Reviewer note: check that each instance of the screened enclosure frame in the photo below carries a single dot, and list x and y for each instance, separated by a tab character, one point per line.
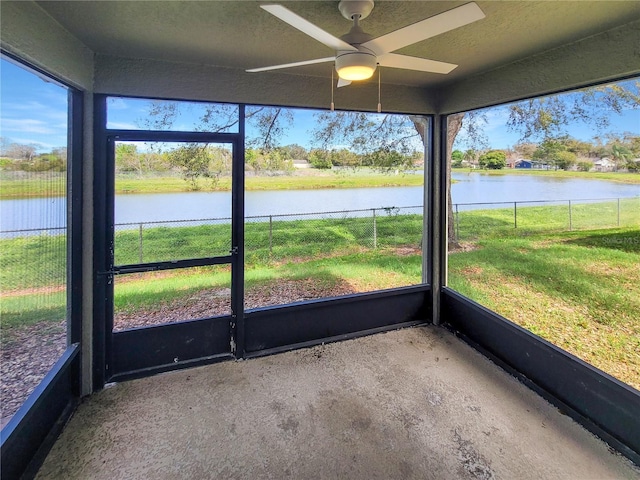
43	414
601	403
256	332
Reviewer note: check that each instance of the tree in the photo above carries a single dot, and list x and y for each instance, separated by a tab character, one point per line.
271	161
47	162
321	159
549	117
197	160
343	157
633	166
21	151
268	123
471	155
293	152
525	149
633	143
456	158
555	152
585	166
493	160
620	154
540	118
127	158
565	159
381	141
578	147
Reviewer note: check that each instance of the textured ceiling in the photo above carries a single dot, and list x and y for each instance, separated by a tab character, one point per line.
239	34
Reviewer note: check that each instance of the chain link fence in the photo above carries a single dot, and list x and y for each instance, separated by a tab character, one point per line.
277	237
323	233
145	242
474	220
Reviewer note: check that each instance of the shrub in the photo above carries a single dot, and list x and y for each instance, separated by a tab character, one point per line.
584	166
493	160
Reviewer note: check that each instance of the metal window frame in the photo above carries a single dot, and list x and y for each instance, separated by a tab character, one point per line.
599	402
389	315
31	432
602	404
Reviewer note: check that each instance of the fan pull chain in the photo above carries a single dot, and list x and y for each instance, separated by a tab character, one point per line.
379	104
332	105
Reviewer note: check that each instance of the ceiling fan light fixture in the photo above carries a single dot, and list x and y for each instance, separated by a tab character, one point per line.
354	66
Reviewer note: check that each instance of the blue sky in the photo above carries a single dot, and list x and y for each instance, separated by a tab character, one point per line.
33	111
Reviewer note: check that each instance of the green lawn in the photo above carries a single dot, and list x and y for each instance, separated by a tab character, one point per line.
622	177
305	180
579	289
300	180
527	218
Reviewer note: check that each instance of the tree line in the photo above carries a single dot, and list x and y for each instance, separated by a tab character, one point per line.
199	162
560	153
25	158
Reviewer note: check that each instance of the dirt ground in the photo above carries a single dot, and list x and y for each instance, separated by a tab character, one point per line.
29	353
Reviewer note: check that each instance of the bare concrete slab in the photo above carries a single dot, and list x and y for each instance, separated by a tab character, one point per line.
414	403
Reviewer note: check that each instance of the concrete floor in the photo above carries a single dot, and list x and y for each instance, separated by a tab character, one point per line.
414	403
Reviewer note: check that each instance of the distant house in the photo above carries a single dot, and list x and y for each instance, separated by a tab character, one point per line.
522	163
603	165
301	164
540	165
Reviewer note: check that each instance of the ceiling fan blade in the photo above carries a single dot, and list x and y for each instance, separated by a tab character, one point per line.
394	60
306	27
430	27
294	64
343	83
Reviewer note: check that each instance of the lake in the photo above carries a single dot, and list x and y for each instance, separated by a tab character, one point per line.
469	188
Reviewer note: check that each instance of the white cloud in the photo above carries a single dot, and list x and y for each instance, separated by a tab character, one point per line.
28	125
35	109
41	147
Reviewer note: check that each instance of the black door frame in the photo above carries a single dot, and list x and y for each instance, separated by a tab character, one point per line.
143	351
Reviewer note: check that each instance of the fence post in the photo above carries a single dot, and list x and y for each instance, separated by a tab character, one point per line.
515	214
618	211
570	220
270	234
140	244
375	230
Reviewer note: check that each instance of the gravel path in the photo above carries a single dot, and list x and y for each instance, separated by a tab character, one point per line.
29	353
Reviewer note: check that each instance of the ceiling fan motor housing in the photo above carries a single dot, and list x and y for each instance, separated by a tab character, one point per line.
358	65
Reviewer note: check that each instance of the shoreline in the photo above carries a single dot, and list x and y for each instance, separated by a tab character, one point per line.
15	189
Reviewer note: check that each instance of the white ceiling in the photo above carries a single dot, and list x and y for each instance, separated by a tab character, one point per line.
239	34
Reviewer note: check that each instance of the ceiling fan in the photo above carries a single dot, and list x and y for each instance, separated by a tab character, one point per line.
358	54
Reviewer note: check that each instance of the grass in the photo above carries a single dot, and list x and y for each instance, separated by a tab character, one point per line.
150	290
529	218
622	177
578	289
292	243
300	180
32	187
